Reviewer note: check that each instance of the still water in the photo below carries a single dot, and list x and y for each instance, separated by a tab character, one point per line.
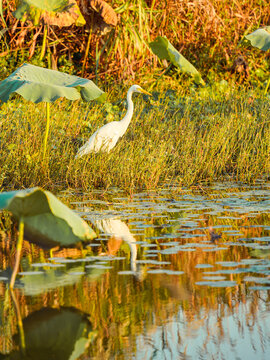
174	274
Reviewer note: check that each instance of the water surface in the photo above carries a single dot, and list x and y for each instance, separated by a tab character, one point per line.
173	274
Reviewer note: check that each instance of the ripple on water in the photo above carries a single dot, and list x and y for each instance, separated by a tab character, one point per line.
153	223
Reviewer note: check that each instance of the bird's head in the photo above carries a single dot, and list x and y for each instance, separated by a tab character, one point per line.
138	89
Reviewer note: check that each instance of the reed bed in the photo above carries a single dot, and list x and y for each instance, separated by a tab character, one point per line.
177	136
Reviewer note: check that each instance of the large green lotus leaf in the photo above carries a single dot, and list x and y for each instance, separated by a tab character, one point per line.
38	84
260	38
165	50
47	221
54	334
52	12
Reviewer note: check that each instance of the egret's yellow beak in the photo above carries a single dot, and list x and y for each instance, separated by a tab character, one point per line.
145	92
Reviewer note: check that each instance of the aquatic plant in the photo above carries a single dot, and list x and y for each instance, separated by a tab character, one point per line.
165	51
43	219
37	84
205	32
53	12
260	39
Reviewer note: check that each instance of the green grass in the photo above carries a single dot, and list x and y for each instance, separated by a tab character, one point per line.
181	136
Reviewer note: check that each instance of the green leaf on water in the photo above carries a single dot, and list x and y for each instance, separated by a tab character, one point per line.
165	51
53	12
38	84
260	38
47	221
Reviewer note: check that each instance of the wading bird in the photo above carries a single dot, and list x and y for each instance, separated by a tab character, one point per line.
105	138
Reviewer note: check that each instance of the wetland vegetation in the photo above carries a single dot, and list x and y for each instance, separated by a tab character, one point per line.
182	138
179	267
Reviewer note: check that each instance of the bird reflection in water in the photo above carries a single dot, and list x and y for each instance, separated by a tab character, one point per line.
119	231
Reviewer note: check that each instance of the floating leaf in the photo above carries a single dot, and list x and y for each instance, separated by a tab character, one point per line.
53	12
47	221
165	51
38	84
217	283
260	38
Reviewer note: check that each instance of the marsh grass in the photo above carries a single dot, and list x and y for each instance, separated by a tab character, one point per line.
180	137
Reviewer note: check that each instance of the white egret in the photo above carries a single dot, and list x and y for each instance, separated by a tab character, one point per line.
105	138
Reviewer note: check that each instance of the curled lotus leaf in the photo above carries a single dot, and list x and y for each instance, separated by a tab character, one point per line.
38	84
260	38
105	10
53	12
166	51
47	221
99	15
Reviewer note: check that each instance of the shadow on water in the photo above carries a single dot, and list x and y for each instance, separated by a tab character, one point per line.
173	274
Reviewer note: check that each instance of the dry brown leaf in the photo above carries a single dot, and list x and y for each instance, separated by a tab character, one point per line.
99	15
105	10
20	39
64	18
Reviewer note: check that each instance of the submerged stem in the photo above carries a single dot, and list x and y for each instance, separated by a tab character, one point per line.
18	252
20	323
46	130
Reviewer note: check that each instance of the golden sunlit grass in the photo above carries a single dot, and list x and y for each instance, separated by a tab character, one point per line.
207	32
173	137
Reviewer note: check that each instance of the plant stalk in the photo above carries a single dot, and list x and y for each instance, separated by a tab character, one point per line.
43	49
46	130
267	86
20	324
86	51
18	252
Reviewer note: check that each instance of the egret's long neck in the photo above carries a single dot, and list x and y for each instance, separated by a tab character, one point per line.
126	120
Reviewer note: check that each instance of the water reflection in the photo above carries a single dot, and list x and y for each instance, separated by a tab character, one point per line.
205	260
50	333
118	232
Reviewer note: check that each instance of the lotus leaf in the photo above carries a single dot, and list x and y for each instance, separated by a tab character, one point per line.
50	333
53	12
38	84
165	50
47	221
260	38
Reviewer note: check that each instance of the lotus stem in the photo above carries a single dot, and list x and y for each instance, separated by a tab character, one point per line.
20	324
267	86
18	252
86	51
46	130
43	49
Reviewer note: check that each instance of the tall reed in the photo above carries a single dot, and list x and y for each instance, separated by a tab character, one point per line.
173	137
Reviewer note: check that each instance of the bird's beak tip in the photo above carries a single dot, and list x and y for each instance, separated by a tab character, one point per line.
146	92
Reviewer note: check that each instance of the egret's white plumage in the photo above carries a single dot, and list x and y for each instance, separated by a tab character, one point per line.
105	138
